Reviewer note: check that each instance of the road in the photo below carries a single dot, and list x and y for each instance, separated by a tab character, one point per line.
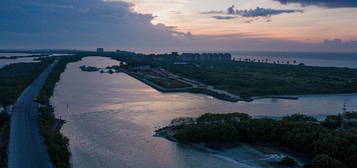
27	148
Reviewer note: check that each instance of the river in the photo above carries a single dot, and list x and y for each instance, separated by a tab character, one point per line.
111	119
4	62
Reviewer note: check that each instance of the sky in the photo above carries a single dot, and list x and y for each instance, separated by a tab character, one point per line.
180	25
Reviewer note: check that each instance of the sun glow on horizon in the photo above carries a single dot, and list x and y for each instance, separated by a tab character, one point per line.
312	26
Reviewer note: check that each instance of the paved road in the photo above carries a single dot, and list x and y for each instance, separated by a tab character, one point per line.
27	148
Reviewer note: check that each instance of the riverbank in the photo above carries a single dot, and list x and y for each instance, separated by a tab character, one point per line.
252	154
57	143
4	138
253	79
107	108
14	78
203	89
296	133
189	87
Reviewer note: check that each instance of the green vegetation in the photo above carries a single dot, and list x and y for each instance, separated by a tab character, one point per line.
299	118
4	138
57	144
160	80
295	132
288	161
14	78
168	83
324	161
209	117
334	121
250	79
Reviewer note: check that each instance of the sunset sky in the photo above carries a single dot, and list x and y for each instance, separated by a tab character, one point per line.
312	24
161	25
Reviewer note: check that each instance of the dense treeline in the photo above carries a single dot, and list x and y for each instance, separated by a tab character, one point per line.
4	138
57	143
14	78
249	79
259	79
328	148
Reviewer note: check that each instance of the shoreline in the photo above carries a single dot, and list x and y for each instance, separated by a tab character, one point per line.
222	149
224	97
208	92
185	89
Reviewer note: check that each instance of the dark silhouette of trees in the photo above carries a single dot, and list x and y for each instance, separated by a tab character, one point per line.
297	132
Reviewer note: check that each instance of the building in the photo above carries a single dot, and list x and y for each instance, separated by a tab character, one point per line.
100	50
205	57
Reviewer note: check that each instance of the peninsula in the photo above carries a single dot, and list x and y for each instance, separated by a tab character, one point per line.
320	141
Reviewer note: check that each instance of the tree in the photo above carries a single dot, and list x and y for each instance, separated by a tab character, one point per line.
324	161
288	161
299	118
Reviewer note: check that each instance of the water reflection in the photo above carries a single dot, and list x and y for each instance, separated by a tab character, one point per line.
112	117
4	62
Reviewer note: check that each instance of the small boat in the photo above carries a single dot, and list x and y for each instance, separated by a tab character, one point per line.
88	68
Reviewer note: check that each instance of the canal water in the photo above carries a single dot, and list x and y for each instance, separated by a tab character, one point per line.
111	119
4	62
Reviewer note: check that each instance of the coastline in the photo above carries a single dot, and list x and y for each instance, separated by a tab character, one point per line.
196	90
204	91
186	89
272	155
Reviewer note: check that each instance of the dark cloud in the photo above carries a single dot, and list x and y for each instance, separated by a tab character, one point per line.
231	10
78	23
224	17
323	3
250	13
87	24
259	12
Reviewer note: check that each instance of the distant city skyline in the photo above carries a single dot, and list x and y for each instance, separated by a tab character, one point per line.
180	25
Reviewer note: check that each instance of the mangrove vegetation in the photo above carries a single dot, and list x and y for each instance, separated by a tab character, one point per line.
326	146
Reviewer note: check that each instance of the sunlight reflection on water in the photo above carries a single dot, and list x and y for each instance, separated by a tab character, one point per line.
111	119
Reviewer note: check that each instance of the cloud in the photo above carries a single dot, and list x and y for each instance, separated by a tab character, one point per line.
323	3
68	23
259	12
87	24
212	12
254	42
231	13
224	17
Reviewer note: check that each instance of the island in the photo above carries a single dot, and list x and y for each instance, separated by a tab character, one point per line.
232	80
324	143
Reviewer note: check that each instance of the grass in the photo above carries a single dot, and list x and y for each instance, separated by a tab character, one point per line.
14	78
260	79
168	83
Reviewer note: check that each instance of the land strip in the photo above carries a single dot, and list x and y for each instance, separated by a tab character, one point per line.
27	148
